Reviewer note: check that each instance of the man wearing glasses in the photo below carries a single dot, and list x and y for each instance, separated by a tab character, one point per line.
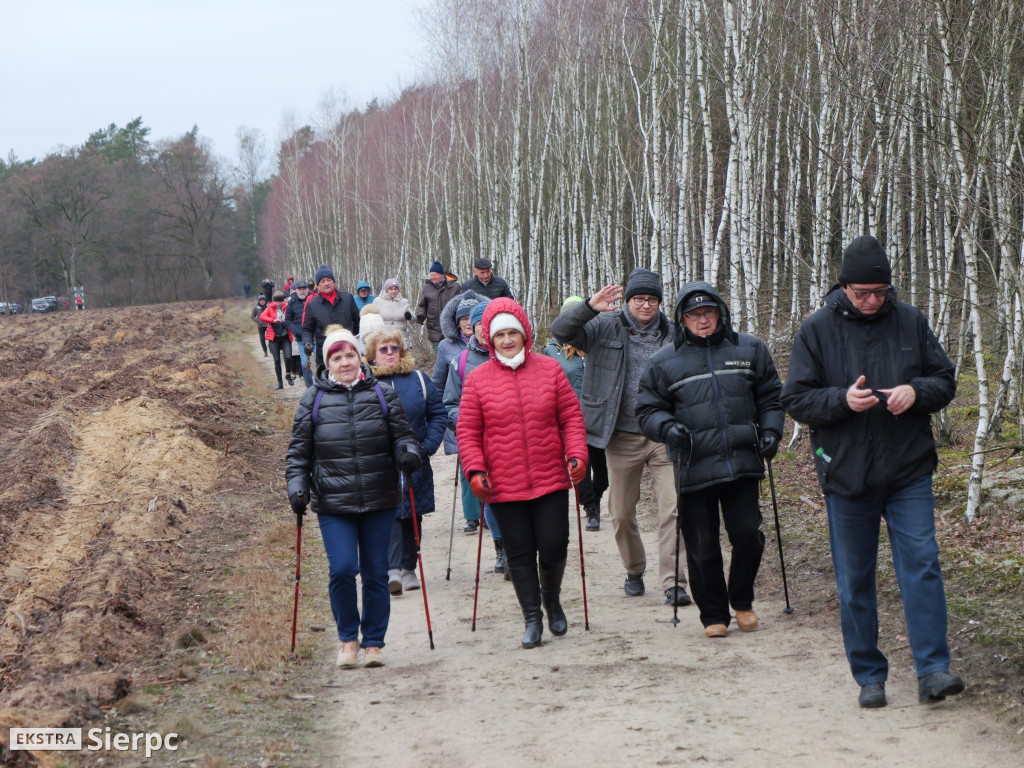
618	342
713	399
865	375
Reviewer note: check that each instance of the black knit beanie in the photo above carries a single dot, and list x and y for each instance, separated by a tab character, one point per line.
643	282
865	263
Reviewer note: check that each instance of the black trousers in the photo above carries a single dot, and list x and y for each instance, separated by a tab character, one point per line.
593	486
698	521
263	339
278	348
535	527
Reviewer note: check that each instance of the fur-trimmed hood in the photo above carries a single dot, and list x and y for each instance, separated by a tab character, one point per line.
406	364
449	328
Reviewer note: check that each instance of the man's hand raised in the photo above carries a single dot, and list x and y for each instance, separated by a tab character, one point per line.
606	299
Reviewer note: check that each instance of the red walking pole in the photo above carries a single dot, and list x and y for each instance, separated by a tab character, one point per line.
583	571
419	556
479	547
298	575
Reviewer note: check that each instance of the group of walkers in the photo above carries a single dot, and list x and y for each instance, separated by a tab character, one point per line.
623	385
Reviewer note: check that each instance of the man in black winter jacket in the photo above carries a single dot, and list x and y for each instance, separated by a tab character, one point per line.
713	398
293	317
865	375
328	306
485	282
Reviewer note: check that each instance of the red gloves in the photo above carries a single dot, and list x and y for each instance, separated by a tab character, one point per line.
480	485
577	470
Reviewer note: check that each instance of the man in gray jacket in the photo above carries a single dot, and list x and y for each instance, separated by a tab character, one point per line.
618	343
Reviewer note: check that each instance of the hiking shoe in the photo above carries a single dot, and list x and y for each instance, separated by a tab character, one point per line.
395	581
594	523
677	596
634	585
290	379
716	630
471	527
937	686
746	620
409	582
373	657
593	517
348	654
872	696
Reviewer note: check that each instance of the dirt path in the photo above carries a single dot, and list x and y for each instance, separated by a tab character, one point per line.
632	690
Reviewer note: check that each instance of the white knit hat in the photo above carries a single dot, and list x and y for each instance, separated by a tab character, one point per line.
369	323
504	321
341	334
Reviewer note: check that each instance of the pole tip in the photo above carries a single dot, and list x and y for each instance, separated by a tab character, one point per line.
788	609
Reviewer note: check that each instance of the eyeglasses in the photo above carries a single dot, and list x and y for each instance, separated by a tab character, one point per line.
639	301
701	314
863	293
389	348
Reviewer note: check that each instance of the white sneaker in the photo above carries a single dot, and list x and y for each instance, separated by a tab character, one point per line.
348	654
395	581
409	581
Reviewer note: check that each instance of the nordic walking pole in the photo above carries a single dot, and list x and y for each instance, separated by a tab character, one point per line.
419	556
479	548
451	535
675	593
583	571
778	535
298	575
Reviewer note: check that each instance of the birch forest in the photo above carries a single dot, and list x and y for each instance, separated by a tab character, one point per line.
743	142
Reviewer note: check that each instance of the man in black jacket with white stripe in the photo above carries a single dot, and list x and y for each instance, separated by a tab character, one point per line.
712	397
865	375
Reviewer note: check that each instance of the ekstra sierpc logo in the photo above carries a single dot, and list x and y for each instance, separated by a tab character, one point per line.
50	739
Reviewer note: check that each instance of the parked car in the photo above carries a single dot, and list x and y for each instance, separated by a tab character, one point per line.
45	304
11	308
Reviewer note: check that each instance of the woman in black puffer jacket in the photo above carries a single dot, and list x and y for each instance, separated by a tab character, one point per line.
349	441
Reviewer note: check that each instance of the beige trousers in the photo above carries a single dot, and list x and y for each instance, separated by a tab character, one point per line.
627	454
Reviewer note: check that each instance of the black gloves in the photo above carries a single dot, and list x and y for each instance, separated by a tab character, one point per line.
408	315
408	461
678	438
451	424
768	445
307	348
298	502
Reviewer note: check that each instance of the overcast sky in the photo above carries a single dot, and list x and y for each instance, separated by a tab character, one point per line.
71	67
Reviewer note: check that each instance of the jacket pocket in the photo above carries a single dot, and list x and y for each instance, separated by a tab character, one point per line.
609	353
594	413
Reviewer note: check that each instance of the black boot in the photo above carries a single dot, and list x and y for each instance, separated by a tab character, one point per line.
550	589
277	370
593	512
501	563
527	587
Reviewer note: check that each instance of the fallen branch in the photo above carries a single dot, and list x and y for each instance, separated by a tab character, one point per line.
811	504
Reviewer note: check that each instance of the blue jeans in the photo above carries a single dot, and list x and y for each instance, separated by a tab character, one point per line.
302	360
359	544
853	525
402	545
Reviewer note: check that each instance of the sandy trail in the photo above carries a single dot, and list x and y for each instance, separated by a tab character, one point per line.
633	690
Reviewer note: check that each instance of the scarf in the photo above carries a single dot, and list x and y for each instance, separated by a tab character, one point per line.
511	362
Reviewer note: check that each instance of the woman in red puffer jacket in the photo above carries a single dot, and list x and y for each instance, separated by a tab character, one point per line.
523	444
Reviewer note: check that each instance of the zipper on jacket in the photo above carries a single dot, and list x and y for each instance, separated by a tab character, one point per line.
522	422
721	416
355	448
